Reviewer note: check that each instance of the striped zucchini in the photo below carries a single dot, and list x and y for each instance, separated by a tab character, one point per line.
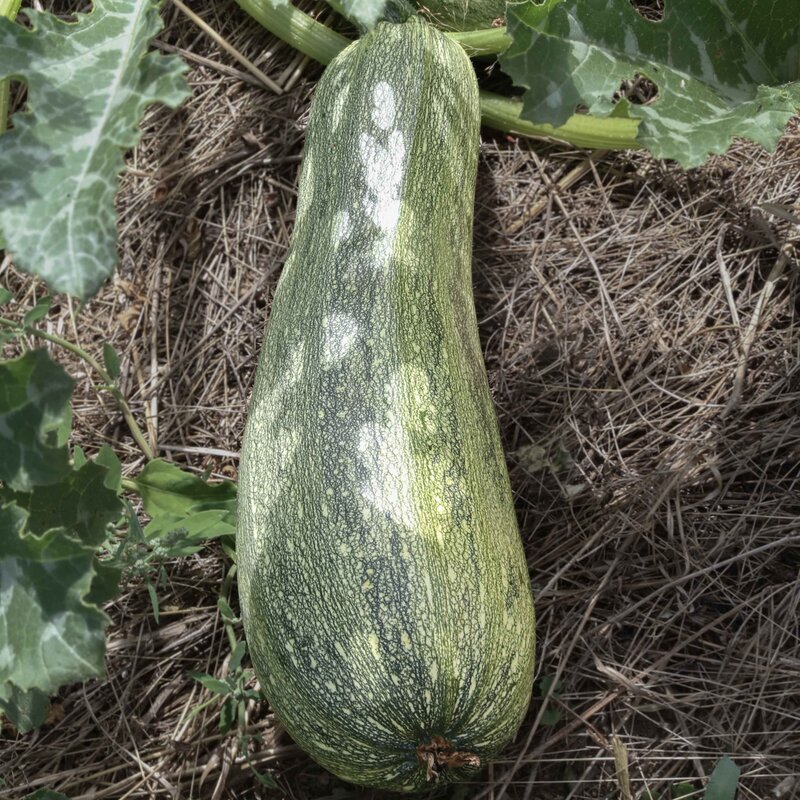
383	584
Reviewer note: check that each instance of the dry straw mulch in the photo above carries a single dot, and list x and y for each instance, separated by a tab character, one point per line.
640	326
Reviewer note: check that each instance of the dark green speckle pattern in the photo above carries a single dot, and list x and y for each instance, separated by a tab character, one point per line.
384	588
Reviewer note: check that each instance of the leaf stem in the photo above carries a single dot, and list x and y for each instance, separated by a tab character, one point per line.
8	9
296	28
122	404
130	485
581	130
485	42
319	42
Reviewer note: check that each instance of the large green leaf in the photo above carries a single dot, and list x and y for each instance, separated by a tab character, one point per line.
105	585
89	83
35	417
49	635
181	503
81	503
723	68
168	490
24	710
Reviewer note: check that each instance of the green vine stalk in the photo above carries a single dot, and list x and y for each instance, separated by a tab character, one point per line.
581	130
486	42
296	28
319	42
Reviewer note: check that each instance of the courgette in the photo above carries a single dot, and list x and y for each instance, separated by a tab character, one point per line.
384	589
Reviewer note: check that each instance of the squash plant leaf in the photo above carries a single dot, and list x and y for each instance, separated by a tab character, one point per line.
723	68
49	635
112	479
52	520
24	710
81	503
89	83
105	584
35	418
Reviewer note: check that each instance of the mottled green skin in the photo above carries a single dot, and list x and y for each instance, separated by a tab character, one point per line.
382	578
463	15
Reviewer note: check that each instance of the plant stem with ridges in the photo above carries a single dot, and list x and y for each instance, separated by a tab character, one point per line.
296	28
581	130
486	42
319	42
